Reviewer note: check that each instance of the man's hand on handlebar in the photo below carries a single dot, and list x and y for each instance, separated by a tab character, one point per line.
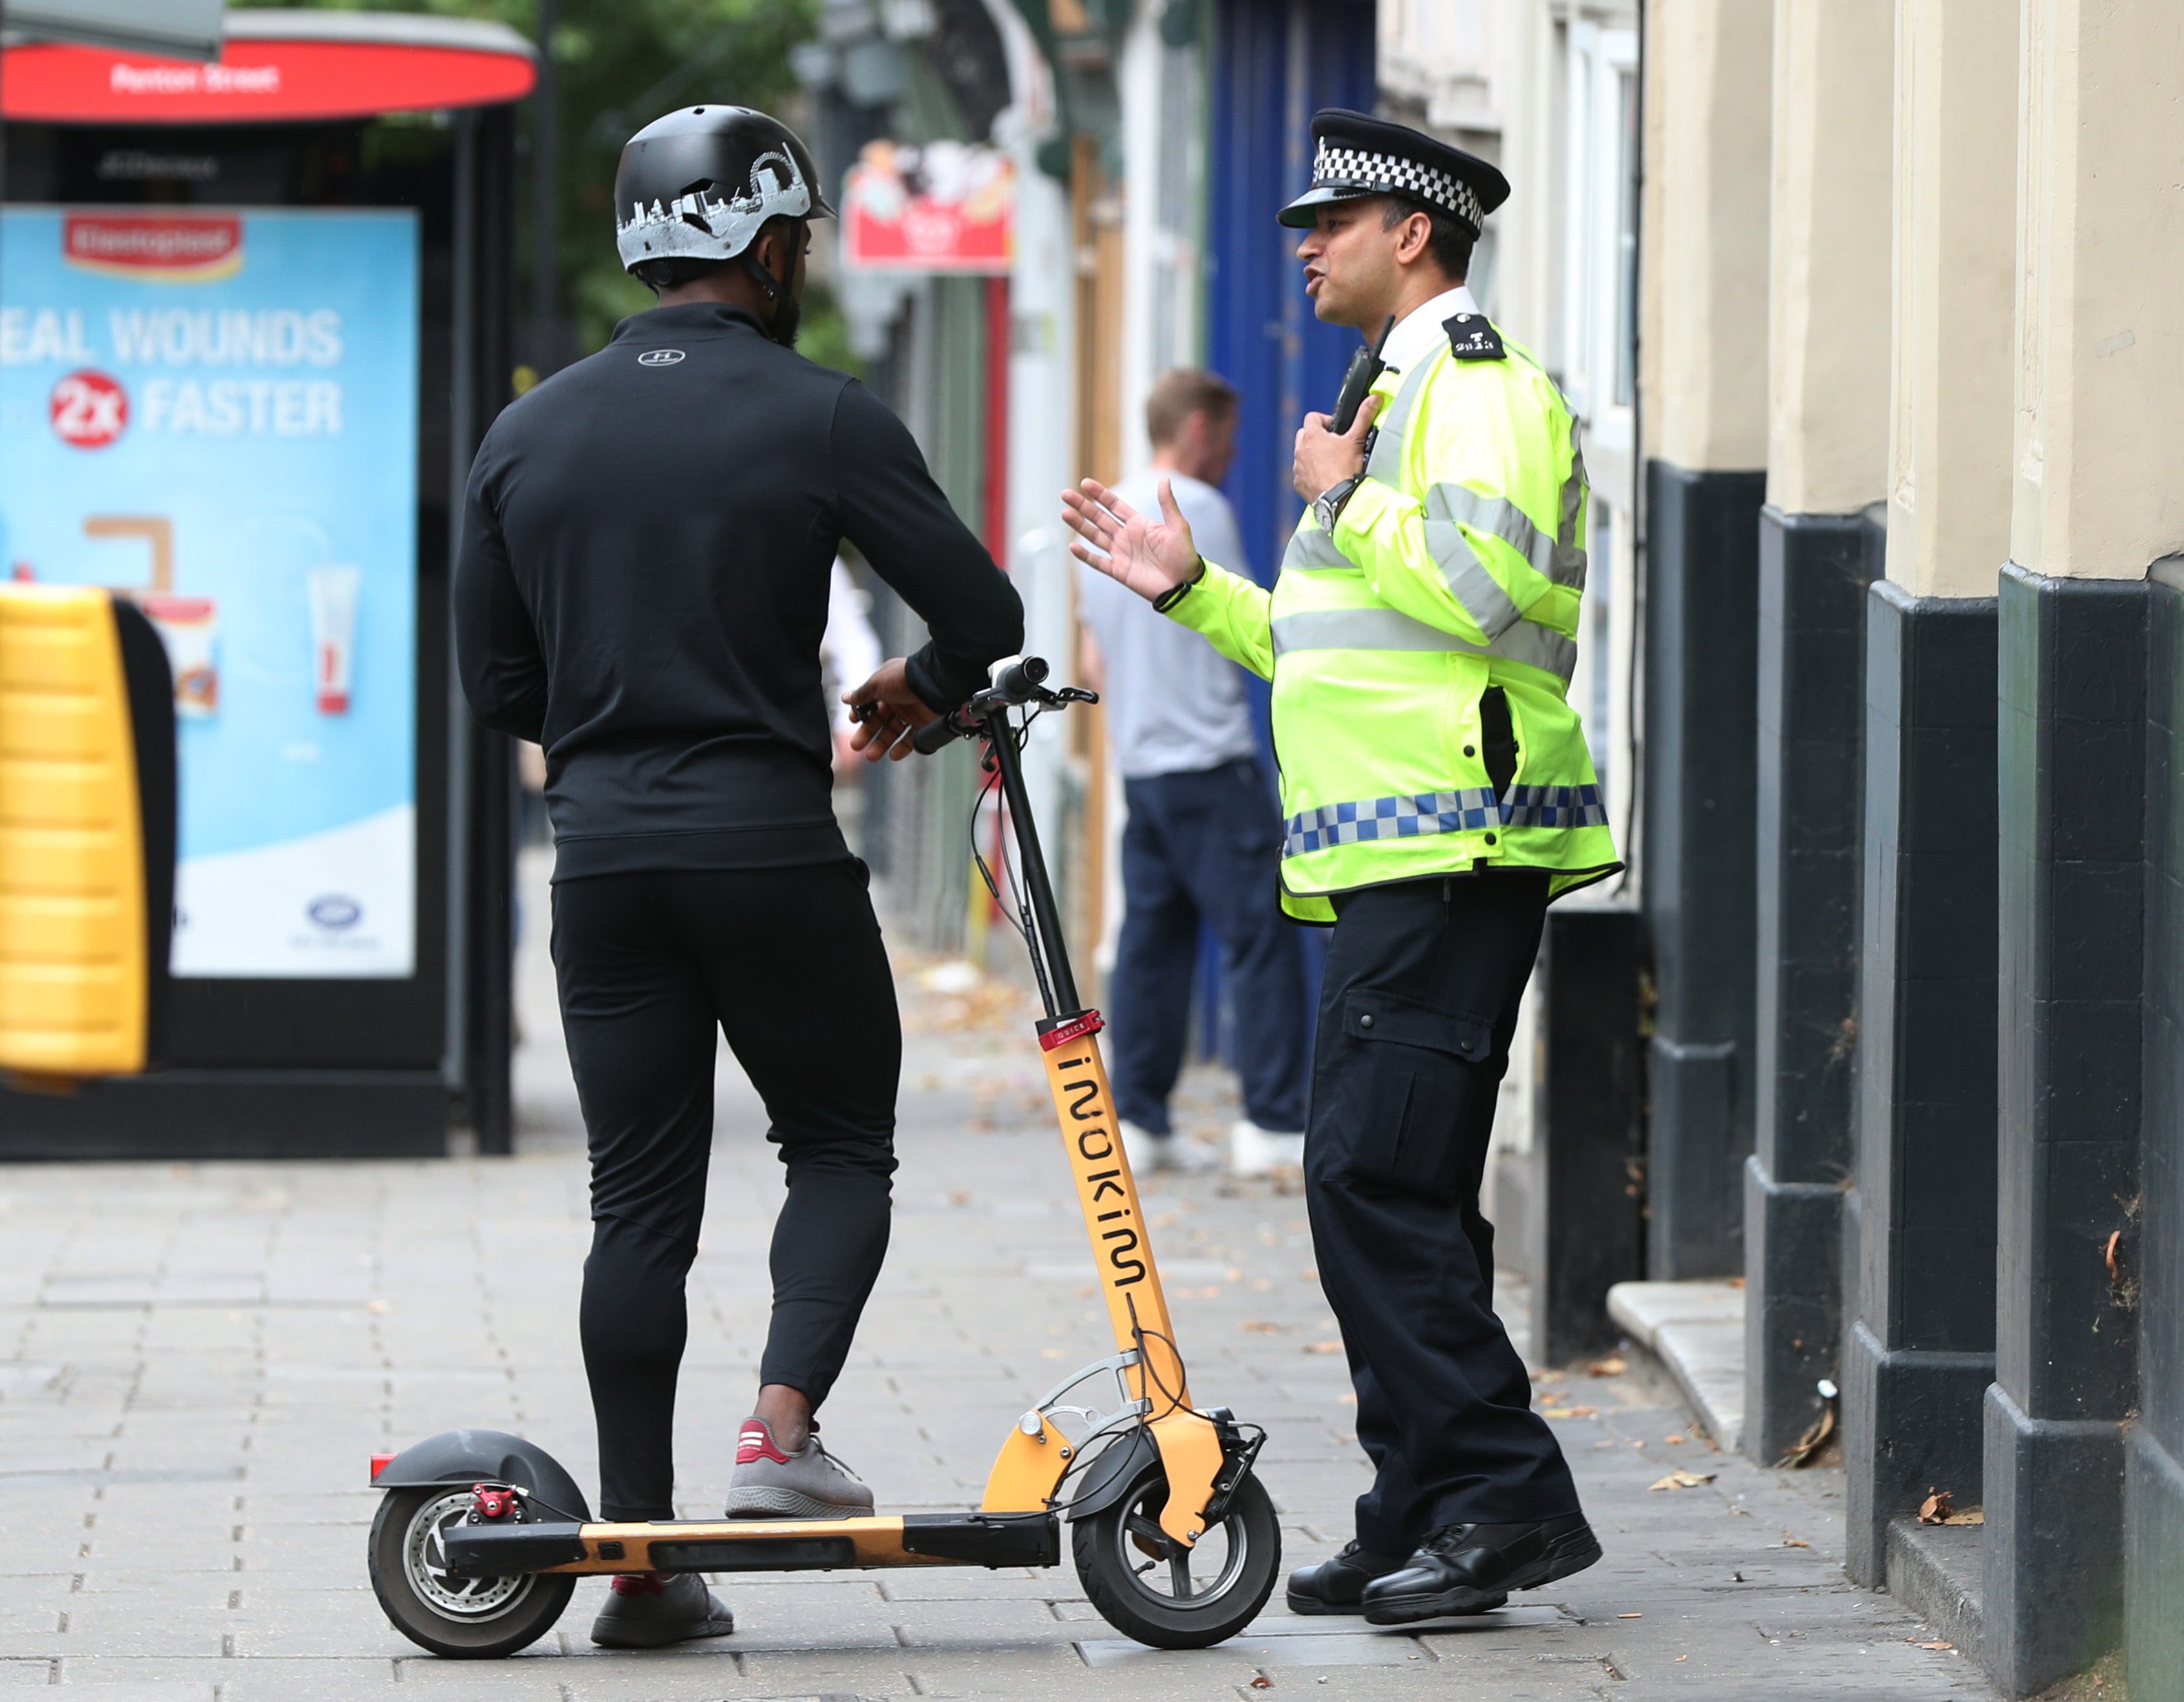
1151	556
887	713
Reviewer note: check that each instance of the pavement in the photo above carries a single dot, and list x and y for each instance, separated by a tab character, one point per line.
196	1360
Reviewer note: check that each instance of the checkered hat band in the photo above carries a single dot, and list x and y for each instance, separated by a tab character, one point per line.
1356	167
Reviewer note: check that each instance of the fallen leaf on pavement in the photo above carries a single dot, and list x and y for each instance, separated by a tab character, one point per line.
1935	1509
1671	1438
1937	1645
1970	1515
1260	1327
1681	1479
1263	1682
1612	1366
1323	1346
1790	1541
1806	1448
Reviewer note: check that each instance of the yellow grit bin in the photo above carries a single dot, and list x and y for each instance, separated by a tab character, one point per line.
76	957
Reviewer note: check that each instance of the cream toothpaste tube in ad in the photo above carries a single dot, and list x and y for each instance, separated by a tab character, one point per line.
332	592
187	626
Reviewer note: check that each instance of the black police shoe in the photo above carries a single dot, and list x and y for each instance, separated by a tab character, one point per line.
1471	1568
1335	1585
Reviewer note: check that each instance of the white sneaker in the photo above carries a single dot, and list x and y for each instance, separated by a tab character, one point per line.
1149	1152
1254	1151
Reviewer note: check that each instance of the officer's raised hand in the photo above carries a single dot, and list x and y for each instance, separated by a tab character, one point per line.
1324	460
1150	557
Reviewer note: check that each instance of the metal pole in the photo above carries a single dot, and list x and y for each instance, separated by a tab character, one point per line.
462	730
545	207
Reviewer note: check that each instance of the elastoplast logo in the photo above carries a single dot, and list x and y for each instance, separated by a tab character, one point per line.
660	357
154	247
335	910
88	409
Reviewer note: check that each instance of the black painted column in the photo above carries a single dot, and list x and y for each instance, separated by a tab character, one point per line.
2073	768
2151	1254
1917	1360
1813	571
1697	865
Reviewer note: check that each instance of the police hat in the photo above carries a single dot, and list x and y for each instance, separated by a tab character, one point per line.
1354	156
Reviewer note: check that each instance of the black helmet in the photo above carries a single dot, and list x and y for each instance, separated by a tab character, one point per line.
698	183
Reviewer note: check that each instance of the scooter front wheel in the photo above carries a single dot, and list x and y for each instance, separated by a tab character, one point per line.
466	1618
1150	1587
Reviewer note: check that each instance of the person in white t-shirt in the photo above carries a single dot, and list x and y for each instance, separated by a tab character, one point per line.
1204	835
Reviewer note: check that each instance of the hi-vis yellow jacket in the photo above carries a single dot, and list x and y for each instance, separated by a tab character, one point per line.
1456	567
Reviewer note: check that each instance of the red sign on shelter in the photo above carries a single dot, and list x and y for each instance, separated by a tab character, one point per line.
254	81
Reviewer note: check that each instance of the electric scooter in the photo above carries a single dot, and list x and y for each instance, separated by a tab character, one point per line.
480	1537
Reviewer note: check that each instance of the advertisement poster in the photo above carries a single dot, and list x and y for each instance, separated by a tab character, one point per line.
946	206
217	412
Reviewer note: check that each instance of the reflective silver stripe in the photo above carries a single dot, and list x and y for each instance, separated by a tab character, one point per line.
1389	430
1468	580
1390	629
1557	563
1573	494
1310	552
1562	807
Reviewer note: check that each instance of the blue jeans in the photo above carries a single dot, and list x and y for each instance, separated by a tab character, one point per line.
1205	847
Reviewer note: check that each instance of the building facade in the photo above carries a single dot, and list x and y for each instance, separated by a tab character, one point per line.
1912	509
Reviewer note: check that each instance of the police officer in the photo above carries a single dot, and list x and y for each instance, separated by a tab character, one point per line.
647	546
1438	793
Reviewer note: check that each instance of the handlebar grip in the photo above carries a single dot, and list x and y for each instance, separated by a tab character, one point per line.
933	735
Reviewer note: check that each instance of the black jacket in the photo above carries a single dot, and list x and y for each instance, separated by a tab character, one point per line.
642	585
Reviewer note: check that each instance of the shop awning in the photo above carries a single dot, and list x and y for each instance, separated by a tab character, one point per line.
182	29
273	66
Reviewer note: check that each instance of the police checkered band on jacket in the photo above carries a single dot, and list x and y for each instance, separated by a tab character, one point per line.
1383	174
1442	812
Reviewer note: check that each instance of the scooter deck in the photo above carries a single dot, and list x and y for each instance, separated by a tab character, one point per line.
759	1545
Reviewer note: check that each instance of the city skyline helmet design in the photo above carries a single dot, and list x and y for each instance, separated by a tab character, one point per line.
701	182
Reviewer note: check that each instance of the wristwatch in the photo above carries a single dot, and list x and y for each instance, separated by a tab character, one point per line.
1328	509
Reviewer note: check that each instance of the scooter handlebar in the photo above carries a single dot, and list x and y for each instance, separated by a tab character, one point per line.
933	735
1016	681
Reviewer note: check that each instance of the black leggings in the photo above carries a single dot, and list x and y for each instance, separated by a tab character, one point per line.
789	962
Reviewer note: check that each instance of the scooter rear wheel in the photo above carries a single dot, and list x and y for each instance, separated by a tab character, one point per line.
465	1618
1152	1589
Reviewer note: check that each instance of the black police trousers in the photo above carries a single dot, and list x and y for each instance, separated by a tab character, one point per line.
787	963
1416	1015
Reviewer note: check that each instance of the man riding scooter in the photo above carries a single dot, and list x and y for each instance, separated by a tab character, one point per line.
641	589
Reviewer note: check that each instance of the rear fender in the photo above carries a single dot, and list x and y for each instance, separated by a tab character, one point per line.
487	1456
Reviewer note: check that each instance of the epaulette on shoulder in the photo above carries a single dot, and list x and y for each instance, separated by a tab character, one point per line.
1472	336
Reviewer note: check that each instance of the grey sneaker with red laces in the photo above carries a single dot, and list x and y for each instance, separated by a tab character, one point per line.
809	1483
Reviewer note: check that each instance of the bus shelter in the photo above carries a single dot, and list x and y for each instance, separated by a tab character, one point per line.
254	318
